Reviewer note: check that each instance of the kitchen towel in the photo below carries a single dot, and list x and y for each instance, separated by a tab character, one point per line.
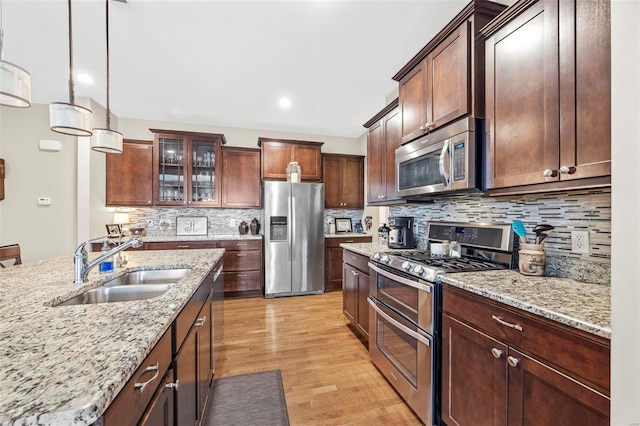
249	399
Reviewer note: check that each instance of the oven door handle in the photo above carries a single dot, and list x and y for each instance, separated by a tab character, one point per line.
397	324
401	280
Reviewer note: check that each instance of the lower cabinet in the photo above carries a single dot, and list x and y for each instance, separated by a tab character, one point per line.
242	267
333	259
523	373
161	410
355	290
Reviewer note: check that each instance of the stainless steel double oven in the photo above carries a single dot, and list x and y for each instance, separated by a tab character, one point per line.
402	341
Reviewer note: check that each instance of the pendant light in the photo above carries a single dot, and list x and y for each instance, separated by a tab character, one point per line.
15	82
68	118
107	140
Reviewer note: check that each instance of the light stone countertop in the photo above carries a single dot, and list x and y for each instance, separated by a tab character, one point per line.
577	304
172	238
66	364
347	235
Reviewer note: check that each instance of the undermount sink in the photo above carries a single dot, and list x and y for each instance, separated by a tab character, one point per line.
136	285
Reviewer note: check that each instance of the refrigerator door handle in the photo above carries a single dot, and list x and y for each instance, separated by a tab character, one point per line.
292	240
290	226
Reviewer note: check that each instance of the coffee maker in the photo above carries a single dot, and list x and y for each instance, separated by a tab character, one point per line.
401	234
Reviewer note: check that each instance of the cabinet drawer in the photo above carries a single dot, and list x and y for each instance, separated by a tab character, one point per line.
335	242
240	245
133	399
179	245
575	354
242	281
356	260
242	261
189	313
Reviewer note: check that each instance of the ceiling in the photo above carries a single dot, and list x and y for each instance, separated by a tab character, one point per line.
227	63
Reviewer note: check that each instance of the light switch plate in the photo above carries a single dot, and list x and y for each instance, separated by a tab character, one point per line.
44	201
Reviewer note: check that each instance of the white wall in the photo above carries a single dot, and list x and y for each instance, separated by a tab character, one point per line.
625	202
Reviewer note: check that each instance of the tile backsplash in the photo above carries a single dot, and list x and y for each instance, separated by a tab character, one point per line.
588	210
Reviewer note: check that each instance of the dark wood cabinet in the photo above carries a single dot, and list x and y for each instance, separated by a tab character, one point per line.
531	372
383	137
560	115
445	80
243	269
129	175
185	168
355	280
161	408
278	153
344	181
241	186
333	259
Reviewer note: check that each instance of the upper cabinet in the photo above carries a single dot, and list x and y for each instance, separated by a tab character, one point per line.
444	81
344	181
383	138
129	175
551	130
185	168
241	177
278	153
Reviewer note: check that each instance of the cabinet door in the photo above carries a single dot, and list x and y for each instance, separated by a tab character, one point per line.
275	158
129	175
449	78
585	89
349	293
310	159
376	148
204	185
363	305
413	103
332	170
540	395
523	132
474	376
392	140
241	178
204	368
186	363
333	268
171	158
353	183
161	409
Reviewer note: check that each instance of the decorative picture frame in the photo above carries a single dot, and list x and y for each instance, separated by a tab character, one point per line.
114	230
192	225
343	224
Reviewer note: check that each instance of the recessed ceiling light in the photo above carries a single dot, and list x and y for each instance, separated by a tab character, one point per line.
285	102
85	78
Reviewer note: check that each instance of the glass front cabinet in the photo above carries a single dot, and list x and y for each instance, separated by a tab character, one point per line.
185	168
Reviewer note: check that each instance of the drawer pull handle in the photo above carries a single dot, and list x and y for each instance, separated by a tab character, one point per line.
507	324
242	275
156	368
241	244
183	246
349	241
242	254
513	361
497	353
354	258
175	385
200	322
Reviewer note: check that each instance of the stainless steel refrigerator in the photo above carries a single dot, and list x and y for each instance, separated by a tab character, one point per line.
294	238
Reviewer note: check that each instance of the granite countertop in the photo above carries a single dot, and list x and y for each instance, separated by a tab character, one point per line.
347	235
66	364
217	237
574	303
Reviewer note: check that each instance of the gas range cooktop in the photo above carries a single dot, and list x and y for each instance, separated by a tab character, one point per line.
484	247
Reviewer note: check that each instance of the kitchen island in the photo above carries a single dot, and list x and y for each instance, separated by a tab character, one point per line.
66	364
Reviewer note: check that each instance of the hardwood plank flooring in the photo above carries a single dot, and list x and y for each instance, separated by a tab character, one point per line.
327	375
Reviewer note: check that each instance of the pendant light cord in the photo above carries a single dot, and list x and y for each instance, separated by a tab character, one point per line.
108	106
71	93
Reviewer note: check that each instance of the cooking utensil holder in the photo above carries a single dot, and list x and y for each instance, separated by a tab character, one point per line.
532	259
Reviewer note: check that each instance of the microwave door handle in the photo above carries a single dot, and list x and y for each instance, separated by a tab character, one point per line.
396	324
443	157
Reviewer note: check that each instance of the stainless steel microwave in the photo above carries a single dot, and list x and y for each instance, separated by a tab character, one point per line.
447	160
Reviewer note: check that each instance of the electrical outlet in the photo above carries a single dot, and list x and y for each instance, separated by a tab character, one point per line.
232	222
580	241
149	223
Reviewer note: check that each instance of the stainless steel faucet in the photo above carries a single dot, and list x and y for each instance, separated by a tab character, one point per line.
81	264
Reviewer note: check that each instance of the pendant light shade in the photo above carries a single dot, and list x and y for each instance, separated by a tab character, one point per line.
68	118
15	82
107	140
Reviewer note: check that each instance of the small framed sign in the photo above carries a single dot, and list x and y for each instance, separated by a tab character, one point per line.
191	225
113	230
343	224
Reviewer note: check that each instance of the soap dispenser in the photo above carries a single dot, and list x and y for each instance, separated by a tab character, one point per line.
106	266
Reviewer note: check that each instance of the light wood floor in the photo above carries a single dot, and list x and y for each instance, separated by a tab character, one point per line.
326	371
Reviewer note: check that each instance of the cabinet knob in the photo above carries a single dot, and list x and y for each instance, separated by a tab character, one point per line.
200	322
497	353
175	385
512	361
354	273
568	169
149	202
550	173
429	126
